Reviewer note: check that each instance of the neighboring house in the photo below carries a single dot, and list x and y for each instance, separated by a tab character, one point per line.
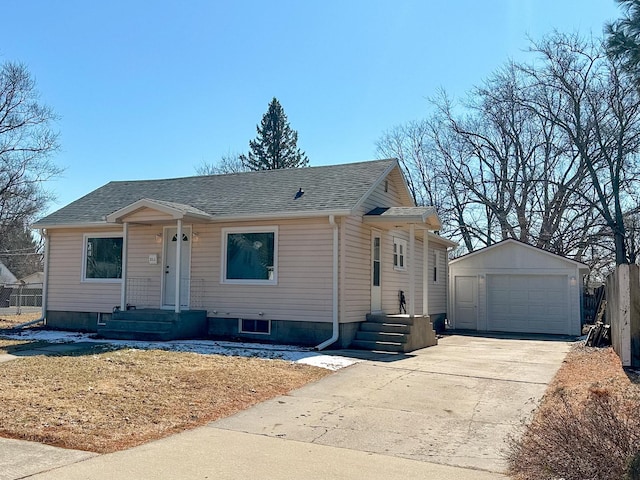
296	255
6	277
514	287
36	278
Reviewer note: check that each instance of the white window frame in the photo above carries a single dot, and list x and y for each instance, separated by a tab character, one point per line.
85	239
399	254
240	320
436	264
223	261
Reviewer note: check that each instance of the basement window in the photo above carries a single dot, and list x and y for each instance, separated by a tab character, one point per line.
255	326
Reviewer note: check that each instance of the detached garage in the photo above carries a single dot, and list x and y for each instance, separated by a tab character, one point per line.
514	287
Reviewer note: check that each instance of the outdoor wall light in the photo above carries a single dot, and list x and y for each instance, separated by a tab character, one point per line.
572	280
158	237
195	236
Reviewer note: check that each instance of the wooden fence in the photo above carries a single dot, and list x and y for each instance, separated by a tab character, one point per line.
623	313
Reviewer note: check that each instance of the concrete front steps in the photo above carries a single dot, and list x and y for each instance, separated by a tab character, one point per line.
395	333
154	325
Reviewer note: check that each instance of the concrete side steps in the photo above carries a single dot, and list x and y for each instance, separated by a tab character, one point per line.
382	337
379	346
395	333
394	319
385	327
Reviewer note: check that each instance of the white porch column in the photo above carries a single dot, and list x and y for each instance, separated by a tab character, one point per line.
412	271
425	273
178	266
125	248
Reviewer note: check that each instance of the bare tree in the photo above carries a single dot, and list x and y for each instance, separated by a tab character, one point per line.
545	153
228	163
581	91
27	143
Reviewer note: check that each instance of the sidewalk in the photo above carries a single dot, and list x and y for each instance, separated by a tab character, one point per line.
213	453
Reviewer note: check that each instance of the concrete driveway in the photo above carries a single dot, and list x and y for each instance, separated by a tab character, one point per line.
439	413
453	404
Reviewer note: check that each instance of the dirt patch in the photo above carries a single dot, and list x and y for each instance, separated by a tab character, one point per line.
116	399
586	425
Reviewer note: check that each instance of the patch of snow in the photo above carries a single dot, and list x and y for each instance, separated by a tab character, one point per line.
204	347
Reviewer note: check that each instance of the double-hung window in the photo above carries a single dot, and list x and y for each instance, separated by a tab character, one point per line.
250	255
102	258
399	252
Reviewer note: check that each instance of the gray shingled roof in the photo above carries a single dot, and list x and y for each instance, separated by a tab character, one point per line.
262	193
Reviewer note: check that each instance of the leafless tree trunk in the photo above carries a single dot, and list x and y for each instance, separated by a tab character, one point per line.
27	143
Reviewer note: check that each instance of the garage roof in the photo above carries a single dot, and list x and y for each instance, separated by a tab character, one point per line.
508	241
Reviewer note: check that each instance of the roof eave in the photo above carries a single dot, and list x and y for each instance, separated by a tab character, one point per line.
403	220
214	218
444	241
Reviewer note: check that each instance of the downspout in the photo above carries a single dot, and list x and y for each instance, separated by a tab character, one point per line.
336	326
178	296
125	264
45	282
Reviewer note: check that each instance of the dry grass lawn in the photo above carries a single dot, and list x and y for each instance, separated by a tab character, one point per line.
9	321
586	369
587	425
116	399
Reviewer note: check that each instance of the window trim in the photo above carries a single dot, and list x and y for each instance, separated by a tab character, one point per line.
223	260
436	263
399	259
241	330
85	239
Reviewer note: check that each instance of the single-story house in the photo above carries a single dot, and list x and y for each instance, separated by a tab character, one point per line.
514	287
299	255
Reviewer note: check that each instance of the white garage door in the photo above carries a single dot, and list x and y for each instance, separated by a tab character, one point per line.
528	303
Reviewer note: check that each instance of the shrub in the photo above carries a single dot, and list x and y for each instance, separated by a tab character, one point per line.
597	439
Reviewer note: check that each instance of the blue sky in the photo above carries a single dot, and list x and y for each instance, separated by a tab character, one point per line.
153	89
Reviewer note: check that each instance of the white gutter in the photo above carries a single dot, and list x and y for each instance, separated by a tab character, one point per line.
125	264
43	315
336	326
217	218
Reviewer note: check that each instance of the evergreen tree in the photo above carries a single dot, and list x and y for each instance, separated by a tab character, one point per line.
623	37
275	146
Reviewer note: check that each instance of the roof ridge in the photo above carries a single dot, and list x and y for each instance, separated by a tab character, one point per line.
259	172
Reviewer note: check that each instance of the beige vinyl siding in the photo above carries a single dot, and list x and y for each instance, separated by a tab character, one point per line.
148	215
356	289
66	290
394	280
437	290
143	278
304	270
394	196
303	292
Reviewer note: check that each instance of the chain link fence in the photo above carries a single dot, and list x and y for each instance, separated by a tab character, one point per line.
20	298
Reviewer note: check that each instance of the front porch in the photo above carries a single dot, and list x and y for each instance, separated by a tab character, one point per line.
154	324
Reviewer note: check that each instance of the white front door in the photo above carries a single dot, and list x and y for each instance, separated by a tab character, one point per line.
170	271
376	271
466	303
